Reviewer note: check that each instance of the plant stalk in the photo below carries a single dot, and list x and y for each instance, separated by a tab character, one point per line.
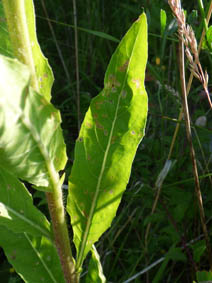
77	64
18	27
19	34
192	152
56	43
189	84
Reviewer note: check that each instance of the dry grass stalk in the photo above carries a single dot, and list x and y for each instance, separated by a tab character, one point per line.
187	38
187	34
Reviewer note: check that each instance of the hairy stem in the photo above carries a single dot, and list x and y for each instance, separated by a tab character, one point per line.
16	17
18	27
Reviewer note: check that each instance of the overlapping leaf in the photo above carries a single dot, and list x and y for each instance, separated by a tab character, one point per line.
44	75
31	141
95	272
35	259
17	211
111	131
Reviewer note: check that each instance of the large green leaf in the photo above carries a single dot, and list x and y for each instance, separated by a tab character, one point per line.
31	141
17	211
110	134
22	34
35	259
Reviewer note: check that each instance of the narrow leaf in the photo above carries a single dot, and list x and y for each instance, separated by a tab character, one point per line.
22	30
204	276
207	42
31	141
110	134
17	211
98	33
162	21
95	272
35	259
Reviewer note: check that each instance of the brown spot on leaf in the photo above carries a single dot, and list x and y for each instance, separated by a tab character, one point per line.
80	139
137	82
99	126
124	93
112	82
123	68
88	125
98	104
105	132
113	139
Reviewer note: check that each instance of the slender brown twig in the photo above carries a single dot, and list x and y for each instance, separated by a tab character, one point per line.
178	12
56	42
189	86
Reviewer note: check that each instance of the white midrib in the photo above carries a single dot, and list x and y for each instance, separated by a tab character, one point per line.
40	259
28	47
93	206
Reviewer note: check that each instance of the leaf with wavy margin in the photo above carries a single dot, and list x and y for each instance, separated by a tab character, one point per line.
110	134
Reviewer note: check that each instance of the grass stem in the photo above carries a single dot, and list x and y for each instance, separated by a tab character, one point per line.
192	152
77	64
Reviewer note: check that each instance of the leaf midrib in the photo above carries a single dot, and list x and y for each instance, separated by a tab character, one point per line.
94	203
40	259
28	221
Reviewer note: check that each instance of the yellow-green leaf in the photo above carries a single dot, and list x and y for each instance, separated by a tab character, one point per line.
20	17
31	141
110	134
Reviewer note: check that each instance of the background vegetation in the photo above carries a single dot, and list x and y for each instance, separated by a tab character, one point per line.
175	248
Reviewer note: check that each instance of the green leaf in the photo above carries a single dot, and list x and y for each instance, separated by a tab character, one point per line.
207	42
95	272
35	259
198	250
98	33
110	134
22	30
31	141
17	211
162	21
203	276
5	42
174	254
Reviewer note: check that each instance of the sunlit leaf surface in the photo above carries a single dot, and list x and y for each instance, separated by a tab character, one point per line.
10	45
31	141
110	134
